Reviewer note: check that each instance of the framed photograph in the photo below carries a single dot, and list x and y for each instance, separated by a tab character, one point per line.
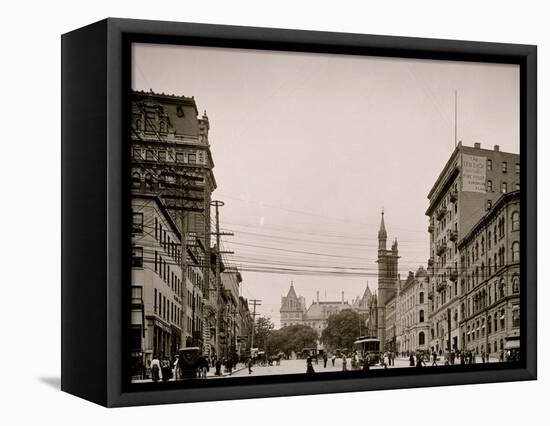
256	212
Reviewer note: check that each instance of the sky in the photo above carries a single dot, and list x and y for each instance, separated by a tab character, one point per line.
309	148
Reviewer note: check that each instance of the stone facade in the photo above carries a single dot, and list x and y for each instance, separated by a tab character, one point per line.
469	185
490	279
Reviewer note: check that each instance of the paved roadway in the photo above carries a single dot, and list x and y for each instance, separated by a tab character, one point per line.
298	366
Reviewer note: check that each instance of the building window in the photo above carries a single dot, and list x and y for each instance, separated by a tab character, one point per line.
136	181
148	182
489	325
517	186
179	157
149	155
517	168
515	284
515	316
421	297
137	223
421	338
515	251
504	167
489	164
515	221
162	155
192	158
137	257
421	316
149	117
489	185
489	204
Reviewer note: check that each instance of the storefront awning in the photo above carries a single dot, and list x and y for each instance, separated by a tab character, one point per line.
512	344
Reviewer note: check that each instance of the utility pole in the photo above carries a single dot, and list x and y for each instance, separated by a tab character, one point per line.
255	302
217	204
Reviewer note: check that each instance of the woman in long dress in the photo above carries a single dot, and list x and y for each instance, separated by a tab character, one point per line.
156	372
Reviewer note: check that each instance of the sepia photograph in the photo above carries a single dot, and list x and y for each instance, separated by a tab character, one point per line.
298	213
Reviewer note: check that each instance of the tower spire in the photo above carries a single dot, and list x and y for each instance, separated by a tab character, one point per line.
382	234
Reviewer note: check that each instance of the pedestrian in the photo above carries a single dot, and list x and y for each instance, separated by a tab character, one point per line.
333	359
156	373
249	364
366	363
434	356
452	358
411	360
218	367
386	360
165	369
176	373
344	363
419	361
309	365
325	359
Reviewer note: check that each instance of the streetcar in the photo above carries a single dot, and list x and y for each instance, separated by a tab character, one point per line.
368	347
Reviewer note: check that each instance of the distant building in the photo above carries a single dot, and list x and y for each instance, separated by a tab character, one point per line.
412	326
387	281
293	310
468	186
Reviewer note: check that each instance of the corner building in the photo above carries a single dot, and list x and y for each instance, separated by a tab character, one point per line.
489	280
468	186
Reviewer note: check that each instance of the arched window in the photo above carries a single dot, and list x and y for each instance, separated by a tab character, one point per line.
515	284
138	124
162	127
421	338
515	251
421	315
502	287
421	297
515	221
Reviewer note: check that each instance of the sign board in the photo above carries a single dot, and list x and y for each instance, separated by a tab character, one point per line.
474	173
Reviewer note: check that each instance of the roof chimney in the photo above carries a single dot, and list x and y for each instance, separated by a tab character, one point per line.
477	145
497	147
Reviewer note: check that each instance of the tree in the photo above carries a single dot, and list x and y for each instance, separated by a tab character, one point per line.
293	338
262	329
342	329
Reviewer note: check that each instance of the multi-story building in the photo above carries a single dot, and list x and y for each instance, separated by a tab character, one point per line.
158	294
245	327
172	161
468	186
412	313
229	308
489	279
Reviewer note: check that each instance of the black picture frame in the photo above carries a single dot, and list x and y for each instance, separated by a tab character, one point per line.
95	221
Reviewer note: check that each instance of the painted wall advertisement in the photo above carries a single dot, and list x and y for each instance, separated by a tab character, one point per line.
474	173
